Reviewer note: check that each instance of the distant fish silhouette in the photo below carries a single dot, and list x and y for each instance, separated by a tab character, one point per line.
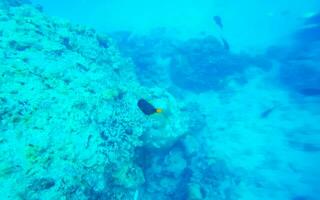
267	112
310	91
225	44
218	21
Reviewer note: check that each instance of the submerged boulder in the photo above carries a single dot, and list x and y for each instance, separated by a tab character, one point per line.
165	128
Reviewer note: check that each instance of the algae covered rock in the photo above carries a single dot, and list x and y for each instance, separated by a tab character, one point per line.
53	78
129	176
175	163
69	118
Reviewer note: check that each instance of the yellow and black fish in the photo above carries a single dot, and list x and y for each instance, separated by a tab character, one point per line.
147	108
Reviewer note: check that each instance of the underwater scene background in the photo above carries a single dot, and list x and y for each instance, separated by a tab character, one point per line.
161	100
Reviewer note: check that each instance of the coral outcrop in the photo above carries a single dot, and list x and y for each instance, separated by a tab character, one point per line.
204	64
196	64
69	121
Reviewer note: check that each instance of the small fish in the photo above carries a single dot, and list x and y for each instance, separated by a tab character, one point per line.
218	21
225	44
147	108
310	91
267	112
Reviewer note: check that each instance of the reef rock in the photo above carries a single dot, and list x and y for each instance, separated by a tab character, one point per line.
165	128
68	111
5	4
203	64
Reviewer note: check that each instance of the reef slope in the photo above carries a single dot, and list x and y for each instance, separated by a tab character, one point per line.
68	117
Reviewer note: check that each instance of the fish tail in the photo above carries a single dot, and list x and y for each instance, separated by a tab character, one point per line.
158	110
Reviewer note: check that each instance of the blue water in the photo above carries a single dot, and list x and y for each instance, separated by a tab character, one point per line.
236	85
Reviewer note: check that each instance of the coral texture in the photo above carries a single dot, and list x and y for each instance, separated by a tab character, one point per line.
69	121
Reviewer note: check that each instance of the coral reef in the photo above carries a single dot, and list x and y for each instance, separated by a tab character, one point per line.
203	64
198	64
5	4
166	128
69	122
71	128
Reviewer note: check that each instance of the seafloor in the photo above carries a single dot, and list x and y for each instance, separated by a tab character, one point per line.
70	127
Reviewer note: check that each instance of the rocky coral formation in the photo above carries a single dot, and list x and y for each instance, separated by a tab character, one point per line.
197	64
167	127
69	121
5	4
204	64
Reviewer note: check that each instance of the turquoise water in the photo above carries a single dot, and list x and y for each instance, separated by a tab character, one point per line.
159	100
